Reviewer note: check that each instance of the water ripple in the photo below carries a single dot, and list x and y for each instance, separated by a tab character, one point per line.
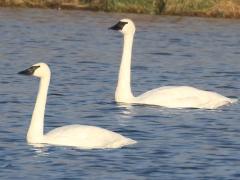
84	58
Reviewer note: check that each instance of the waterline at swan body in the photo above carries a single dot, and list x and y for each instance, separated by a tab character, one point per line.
166	96
81	136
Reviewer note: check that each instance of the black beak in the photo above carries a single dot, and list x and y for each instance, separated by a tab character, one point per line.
29	71
118	26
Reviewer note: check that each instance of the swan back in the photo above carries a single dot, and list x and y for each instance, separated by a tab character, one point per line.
125	26
39	70
87	137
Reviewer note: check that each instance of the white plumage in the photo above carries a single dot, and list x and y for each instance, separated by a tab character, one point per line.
168	96
81	136
183	97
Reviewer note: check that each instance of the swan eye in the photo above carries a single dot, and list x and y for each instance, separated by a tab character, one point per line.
29	71
118	26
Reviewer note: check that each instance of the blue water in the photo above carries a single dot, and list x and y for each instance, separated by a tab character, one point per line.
84	58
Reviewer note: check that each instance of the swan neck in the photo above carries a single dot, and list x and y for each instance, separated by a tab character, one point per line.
36	128
123	91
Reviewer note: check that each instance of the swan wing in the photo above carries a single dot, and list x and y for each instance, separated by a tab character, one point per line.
86	137
183	97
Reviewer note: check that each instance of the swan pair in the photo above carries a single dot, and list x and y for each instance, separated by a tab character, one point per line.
90	137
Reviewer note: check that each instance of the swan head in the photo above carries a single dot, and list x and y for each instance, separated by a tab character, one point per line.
39	70
125	26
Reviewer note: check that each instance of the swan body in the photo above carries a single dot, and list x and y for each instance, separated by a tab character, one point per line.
182	97
167	96
86	137
81	136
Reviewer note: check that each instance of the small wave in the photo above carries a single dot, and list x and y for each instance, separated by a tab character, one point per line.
162	53
56	94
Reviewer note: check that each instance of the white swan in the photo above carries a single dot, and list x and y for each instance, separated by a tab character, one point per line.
168	96
81	136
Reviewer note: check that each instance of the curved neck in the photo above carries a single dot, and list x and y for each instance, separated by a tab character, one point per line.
35	131
123	91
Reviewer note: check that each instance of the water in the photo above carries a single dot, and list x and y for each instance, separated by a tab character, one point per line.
84	58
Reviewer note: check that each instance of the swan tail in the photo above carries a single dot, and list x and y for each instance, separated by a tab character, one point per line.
125	142
228	101
231	101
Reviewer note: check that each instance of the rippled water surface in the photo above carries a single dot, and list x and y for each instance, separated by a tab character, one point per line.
84	58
